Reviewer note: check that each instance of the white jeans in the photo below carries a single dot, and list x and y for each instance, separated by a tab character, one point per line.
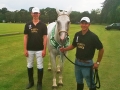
39	58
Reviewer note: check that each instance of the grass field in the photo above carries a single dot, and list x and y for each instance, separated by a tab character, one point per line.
10	28
13	71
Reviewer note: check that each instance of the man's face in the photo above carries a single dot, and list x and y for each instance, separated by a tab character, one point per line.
84	25
35	15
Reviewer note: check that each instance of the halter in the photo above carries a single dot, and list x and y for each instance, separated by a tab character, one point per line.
63	31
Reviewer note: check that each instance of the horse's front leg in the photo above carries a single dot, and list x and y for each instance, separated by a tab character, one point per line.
60	83
58	64
53	62
49	64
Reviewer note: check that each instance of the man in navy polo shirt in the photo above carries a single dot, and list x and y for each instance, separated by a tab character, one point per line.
35	40
85	43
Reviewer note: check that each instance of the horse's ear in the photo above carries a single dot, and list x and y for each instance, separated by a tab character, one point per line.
58	12
69	11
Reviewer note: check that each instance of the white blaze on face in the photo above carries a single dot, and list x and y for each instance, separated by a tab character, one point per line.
62	36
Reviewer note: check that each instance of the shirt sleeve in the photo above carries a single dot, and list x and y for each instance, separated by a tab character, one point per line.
98	44
74	41
45	30
26	29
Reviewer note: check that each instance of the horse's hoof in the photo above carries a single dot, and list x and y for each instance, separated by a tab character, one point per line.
49	69
58	71
60	84
54	87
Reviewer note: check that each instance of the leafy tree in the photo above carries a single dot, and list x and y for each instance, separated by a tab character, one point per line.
85	13
95	16
110	11
48	15
4	10
10	16
75	17
1	17
30	9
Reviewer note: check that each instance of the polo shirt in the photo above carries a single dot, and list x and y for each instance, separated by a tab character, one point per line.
86	45
35	35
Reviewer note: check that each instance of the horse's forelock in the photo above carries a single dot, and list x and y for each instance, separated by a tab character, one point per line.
63	12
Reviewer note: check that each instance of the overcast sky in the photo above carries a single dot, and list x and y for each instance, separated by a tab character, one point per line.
76	5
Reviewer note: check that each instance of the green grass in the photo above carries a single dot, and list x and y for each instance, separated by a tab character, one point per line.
13	71
11	28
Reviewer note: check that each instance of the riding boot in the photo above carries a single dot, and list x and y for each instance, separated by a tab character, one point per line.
80	86
92	88
30	76
40	76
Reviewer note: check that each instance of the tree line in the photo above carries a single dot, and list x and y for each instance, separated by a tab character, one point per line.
109	13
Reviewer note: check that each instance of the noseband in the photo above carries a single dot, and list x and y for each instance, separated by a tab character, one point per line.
62	31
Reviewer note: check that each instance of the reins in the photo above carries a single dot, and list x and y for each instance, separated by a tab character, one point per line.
96	75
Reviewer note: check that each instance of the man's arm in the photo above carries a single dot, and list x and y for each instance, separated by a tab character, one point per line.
70	47
45	45
25	45
100	55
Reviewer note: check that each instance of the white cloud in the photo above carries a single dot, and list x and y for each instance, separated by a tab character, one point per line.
77	5
2	5
5	5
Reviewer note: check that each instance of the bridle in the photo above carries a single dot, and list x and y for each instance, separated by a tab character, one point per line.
59	31
63	31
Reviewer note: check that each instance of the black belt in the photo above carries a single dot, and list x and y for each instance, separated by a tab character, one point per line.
84	61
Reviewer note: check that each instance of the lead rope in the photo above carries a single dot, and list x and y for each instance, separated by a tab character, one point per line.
96	75
97	79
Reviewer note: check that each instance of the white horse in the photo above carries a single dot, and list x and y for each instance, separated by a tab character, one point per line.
58	37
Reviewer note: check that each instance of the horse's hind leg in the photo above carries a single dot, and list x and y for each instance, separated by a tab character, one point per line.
49	64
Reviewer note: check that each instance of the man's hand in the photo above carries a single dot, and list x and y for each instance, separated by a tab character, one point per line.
43	53
26	53
96	66
62	49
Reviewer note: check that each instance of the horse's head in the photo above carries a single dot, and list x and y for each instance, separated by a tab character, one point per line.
63	22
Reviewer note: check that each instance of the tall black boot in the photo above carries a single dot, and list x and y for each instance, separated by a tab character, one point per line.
92	88
40	76
30	76
80	86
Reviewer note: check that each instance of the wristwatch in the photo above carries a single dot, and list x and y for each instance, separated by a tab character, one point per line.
98	63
